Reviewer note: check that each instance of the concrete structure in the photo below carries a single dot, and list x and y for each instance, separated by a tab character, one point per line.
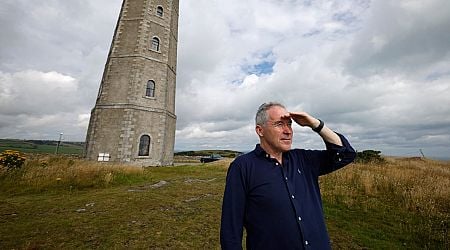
134	119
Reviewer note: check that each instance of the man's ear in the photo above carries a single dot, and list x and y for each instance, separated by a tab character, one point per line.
259	130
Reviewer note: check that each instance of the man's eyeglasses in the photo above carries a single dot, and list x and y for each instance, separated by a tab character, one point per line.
281	124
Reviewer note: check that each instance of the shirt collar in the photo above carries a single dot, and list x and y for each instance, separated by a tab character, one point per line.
259	151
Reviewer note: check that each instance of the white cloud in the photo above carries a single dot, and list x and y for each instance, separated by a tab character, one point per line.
34	92
83	120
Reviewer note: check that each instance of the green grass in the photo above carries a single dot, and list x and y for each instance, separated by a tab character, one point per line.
128	213
104	206
382	227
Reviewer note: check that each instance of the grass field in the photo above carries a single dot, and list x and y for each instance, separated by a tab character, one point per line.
66	203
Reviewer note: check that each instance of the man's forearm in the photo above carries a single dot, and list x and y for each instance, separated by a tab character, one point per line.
329	135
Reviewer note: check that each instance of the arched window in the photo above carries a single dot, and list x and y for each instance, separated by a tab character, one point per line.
150	90
155	43
144	145
159	11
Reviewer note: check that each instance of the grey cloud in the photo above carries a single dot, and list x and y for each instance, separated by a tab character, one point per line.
69	39
399	38
45	127
53	35
33	92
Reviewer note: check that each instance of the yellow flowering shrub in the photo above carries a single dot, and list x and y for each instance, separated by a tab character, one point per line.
12	159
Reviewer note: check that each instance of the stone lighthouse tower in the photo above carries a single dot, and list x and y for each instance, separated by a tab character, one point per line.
133	120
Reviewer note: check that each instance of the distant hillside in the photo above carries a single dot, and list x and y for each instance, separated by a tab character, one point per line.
223	153
41	146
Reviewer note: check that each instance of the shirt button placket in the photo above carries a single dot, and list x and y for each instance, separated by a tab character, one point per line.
339	157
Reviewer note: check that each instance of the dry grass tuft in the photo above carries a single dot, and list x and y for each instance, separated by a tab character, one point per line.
415	184
412	193
52	171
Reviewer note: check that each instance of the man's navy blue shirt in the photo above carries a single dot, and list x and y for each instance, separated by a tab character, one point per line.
280	206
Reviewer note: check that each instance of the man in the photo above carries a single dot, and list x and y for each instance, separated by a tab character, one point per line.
273	191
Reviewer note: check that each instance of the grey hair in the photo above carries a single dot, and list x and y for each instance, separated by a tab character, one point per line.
261	115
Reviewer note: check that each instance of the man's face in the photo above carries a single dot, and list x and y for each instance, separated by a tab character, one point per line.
276	133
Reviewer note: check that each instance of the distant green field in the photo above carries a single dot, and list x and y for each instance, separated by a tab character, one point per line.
40	146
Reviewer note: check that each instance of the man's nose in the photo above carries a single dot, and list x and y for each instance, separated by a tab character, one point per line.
287	129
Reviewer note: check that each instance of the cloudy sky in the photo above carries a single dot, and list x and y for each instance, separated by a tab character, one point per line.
376	71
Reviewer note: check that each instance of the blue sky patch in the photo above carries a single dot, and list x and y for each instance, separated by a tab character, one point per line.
265	67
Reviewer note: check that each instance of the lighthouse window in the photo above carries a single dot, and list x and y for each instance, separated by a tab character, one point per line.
144	145
155	43
159	11
150	90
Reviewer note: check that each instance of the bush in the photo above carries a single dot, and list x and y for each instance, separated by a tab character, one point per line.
12	159
369	156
